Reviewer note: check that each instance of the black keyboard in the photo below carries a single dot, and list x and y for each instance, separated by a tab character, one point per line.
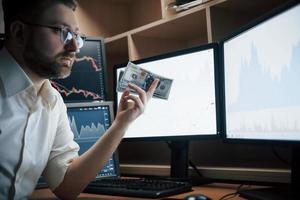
148	188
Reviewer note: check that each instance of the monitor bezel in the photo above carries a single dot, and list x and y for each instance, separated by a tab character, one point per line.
104	63
213	46
110	105
273	13
93	104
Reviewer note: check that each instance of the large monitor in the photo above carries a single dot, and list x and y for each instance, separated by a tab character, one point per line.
261	64
191	111
88	77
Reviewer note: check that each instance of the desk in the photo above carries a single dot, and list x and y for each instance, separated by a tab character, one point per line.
214	191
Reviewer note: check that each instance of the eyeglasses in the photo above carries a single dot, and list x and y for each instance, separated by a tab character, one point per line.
66	35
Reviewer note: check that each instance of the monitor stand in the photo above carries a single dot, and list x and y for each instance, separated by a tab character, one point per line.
291	192
179	159
180	163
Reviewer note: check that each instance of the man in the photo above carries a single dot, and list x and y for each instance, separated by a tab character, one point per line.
41	40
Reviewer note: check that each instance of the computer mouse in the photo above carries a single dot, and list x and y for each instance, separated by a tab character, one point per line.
197	197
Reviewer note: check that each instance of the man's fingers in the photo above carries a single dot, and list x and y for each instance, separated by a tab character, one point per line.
137	101
139	91
152	88
123	100
125	93
145	96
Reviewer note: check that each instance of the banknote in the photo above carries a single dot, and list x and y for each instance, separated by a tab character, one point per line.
144	78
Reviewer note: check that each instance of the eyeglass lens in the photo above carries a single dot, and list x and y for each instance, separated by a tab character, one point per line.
67	36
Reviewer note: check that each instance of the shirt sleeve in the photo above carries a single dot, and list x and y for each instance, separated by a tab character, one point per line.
63	151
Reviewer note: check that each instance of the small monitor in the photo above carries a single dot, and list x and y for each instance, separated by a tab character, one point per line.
191	109
88	77
190	112
89	121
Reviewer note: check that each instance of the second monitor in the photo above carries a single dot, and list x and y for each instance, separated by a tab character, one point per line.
191	109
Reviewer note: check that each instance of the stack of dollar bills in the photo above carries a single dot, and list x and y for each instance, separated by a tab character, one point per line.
143	78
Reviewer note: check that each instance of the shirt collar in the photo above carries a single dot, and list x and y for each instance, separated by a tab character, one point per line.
13	77
15	80
48	94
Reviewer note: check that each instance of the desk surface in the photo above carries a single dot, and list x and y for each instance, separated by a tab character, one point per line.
215	191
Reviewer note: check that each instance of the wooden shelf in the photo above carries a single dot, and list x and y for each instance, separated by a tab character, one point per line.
107	18
230	15
172	35
116	53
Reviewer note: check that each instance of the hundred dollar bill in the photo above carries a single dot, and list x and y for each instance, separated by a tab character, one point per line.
143	78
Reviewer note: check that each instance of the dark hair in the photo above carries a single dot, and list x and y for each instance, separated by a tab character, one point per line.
28	9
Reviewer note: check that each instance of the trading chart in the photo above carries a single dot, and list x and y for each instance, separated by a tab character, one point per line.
88	124
262	80
86	82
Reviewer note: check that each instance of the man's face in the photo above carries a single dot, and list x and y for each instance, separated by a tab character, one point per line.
44	52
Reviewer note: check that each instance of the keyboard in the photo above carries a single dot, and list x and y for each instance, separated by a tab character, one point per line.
148	188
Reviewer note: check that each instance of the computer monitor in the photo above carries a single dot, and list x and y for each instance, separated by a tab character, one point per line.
88	122
87	81
190	112
262	78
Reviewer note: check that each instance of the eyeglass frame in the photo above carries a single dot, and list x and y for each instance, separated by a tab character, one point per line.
80	39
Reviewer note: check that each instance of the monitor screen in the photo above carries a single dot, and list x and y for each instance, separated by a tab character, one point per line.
87	80
262	78
190	109
88	122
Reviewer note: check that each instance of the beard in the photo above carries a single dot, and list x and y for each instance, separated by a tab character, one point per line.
56	67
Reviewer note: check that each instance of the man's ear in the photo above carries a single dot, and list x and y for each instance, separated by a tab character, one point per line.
17	32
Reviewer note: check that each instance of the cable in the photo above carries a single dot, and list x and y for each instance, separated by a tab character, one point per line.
195	168
169	144
232	195
276	154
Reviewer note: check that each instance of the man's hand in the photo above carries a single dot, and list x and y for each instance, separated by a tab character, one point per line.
83	169
131	106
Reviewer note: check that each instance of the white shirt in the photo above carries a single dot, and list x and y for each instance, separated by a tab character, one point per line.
35	135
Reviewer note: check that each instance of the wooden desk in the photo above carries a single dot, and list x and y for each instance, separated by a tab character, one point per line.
215	191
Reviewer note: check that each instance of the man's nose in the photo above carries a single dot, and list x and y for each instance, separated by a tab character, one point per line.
72	46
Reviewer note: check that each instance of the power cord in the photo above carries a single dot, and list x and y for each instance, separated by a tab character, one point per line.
195	168
232	195
276	154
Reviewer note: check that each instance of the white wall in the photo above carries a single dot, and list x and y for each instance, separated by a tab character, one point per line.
1	18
